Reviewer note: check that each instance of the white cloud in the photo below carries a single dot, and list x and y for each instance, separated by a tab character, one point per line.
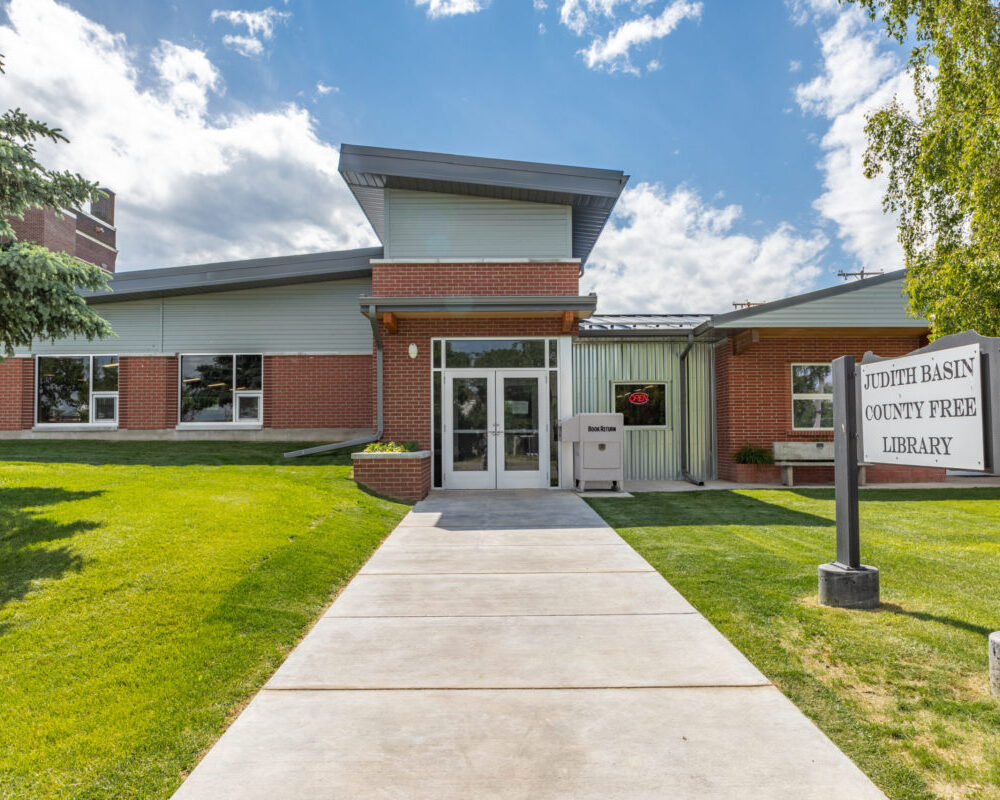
654	65
244	45
858	75
794	66
853	67
577	15
259	25
323	88
612	51
540	5
192	185
541	28
451	8
671	251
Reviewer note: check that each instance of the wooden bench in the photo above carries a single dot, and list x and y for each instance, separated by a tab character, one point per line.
789	455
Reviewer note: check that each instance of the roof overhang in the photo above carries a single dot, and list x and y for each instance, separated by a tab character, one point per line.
230	275
482	306
592	193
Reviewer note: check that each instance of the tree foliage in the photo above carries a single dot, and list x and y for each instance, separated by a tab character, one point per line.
38	287
942	159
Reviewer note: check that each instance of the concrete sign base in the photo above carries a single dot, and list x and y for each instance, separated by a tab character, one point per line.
842	587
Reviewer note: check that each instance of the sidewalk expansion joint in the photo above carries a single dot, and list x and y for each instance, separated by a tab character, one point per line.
594	688
540	572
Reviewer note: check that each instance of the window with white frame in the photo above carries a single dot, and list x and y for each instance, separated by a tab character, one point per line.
76	390
221	389
812	397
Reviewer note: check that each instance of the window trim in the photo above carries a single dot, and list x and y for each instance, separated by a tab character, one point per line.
667	403
92	425
94	396
807	395
239	394
233	424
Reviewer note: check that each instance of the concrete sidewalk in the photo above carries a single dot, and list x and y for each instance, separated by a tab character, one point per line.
511	645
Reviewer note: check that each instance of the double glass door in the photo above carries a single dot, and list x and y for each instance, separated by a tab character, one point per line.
495	433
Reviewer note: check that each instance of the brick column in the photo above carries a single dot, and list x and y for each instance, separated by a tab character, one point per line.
147	392
17	394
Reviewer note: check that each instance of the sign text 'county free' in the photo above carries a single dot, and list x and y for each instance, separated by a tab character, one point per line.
924	409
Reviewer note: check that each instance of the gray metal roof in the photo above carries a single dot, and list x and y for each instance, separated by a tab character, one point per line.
482	303
228	275
745	317
591	192
639	324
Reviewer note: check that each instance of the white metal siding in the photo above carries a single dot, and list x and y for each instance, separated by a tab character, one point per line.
301	318
137	324
880	306
432	225
305	317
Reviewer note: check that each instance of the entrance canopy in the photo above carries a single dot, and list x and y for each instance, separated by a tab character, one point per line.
568	308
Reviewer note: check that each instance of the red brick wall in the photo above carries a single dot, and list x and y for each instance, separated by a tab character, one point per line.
95	253
754	398
446	280
55	232
405	479
408	380
147	392
43	226
325	391
17	394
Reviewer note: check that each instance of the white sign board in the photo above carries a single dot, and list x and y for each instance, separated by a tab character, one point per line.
924	410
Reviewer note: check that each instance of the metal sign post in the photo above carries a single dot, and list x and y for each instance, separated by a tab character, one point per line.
934	407
846	582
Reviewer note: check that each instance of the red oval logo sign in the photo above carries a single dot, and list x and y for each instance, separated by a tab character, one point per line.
638	398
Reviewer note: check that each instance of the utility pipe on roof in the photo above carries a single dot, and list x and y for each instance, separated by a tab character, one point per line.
684	414
379	400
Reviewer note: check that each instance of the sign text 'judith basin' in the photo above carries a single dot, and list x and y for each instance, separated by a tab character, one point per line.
924	410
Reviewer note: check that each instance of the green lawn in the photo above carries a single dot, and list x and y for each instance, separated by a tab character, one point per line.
147	590
903	690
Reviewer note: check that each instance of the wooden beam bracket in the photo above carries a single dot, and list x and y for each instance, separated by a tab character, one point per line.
567	321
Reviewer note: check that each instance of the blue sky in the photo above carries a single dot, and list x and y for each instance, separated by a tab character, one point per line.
217	123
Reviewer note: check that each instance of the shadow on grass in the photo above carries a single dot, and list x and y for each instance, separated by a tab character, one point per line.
923	616
177	454
21	562
873	495
718	508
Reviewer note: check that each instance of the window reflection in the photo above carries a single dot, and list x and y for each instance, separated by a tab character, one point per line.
491	353
64	390
206	388
221	388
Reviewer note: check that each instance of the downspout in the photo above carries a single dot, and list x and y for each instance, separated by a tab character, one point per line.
379	400
684	415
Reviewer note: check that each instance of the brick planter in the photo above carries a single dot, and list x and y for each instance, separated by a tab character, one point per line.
754	473
399	476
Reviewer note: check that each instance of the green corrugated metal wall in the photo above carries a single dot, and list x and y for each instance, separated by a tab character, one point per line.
651	454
